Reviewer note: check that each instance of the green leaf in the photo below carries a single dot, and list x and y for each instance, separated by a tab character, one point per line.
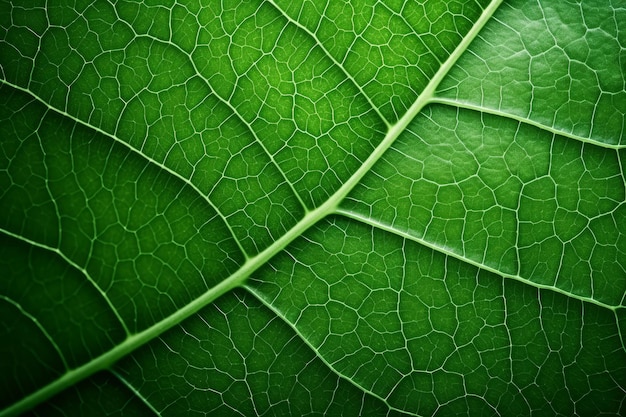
328	208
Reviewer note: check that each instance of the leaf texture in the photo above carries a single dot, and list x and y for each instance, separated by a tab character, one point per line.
313	208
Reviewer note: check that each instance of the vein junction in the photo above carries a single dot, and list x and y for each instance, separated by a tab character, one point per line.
311	217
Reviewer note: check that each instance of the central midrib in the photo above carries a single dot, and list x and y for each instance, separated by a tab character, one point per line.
133	342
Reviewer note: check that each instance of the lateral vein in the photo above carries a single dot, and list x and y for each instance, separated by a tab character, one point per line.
237	279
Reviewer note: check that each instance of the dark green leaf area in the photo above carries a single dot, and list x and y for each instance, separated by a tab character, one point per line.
236	358
53	319
20	180
132	230
423	331
503	194
566	356
101	395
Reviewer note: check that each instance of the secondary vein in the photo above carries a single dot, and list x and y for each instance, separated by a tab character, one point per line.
131	343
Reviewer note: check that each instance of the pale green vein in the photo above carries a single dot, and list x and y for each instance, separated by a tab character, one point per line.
424	98
524	120
258	295
233	109
619	327
39	326
332	58
136	151
135	392
237	279
134	341
74	265
621	169
304	340
388	228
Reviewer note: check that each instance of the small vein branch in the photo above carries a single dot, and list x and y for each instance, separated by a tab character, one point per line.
132	342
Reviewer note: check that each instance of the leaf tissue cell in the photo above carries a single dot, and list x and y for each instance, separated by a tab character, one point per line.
385	208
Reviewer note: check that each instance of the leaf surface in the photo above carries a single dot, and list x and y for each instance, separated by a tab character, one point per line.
295	208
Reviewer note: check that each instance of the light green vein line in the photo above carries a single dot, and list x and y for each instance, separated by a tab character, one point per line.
237	279
230	106
135	151
619	328
39	326
73	264
136	392
332	58
524	120
304	340
424	98
134	341
385	227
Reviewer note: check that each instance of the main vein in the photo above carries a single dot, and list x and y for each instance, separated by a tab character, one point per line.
133	342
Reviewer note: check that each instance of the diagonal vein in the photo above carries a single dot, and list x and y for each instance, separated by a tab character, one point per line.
74	265
41	328
237	279
332	58
525	120
482	266
134	150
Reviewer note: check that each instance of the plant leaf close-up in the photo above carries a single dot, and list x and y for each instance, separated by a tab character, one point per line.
270	207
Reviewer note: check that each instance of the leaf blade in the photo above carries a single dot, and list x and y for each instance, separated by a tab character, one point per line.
265	191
